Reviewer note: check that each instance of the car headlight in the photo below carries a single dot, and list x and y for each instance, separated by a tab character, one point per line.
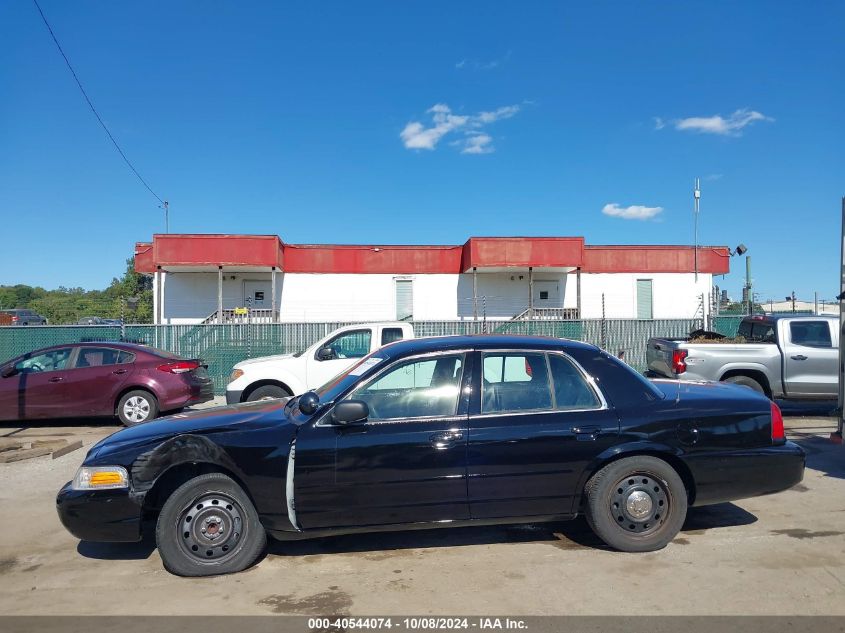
236	373
100	478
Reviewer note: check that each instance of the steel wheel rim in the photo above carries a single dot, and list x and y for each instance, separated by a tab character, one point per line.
210	527
640	503
136	409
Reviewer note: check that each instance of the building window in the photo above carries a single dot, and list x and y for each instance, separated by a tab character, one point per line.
404	299
645	304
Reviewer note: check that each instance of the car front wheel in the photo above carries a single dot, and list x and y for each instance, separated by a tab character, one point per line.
136	407
636	504
208	526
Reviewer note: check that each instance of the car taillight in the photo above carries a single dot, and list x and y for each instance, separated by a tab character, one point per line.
14	318
679	365
778	434
179	366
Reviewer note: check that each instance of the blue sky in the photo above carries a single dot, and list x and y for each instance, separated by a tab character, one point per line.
425	123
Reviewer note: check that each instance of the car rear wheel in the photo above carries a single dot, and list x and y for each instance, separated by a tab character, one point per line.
636	504
208	526
136	407
268	392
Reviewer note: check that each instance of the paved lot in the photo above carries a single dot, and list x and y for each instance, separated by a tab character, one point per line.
783	554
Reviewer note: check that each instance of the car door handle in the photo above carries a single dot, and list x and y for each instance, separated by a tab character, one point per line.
120	371
56	379
586	433
446	439
798	357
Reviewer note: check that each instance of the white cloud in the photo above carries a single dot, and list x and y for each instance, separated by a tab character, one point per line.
659	123
717	124
634	212
416	135
478	144
474	64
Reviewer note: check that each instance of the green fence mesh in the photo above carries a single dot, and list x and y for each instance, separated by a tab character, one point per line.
222	346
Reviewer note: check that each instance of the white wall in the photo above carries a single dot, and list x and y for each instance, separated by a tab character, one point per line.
674	295
191	297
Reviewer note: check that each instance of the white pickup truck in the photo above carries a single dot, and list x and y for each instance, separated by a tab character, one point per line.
289	374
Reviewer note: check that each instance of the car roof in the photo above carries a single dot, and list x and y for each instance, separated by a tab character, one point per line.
129	347
480	341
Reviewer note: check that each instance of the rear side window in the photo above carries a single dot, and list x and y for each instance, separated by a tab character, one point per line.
757	331
571	388
390	335
125	358
97	357
515	381
810	333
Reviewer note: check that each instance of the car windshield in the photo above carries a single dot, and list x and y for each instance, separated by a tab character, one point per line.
345	379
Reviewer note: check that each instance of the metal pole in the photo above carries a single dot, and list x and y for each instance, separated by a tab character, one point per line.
578	290
273	295
749	296
220	294
530	292
816	303
166	206
696	195
474	293
838	435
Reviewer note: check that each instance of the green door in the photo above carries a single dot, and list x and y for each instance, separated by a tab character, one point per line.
644	300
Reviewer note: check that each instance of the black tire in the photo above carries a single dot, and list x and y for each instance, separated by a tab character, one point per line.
746	381
200	504
136	407
268	391
630	523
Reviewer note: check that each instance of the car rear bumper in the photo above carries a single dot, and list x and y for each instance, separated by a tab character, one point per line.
733	475
192	393
100	515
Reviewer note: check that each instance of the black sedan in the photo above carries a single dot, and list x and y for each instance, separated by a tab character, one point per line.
435	432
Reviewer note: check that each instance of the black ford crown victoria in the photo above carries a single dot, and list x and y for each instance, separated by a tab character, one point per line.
435	432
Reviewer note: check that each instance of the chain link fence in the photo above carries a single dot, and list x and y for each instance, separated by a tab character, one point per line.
222	346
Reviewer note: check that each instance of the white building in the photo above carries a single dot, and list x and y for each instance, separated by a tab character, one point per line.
208	278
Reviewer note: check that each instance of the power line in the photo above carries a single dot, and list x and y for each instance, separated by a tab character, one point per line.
93	109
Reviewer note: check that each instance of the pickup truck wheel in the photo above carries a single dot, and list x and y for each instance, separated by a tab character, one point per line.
636	504
208	526
267	392
745	381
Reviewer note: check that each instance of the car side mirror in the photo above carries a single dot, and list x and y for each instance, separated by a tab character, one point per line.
8	371
308	402
325	353
350	412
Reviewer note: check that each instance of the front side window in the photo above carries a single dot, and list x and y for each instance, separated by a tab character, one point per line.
355	344
96	357
571	388
53	360
810	333
414	389
515	381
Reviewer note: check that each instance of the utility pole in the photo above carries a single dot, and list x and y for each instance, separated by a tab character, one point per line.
166	206
748	292
837	436
696	197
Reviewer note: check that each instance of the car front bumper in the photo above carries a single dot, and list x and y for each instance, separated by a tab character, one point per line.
740	474
100	515
233	396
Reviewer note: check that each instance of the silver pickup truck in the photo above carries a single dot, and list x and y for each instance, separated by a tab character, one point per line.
782	356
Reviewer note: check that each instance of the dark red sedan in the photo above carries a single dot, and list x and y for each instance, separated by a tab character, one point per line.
134	382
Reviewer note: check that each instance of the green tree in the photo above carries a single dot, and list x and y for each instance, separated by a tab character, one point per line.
68	305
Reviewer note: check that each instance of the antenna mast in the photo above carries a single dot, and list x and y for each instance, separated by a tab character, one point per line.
696	196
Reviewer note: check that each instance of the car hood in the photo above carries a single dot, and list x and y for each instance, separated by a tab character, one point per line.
202	421
264	359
